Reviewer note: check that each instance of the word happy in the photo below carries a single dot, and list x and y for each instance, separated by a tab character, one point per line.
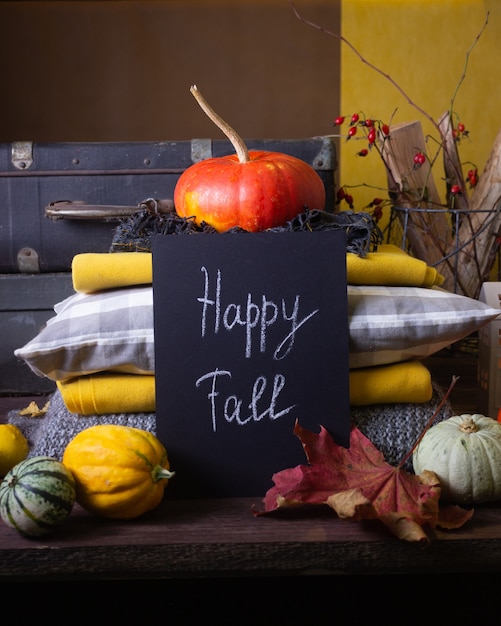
251	317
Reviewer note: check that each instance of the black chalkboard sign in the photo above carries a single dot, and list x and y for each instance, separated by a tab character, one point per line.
251	334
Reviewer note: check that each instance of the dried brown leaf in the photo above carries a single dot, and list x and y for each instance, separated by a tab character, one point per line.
357	483
33	410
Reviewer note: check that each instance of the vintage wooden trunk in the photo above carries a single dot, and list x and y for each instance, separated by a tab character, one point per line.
116	175
96	184
26	303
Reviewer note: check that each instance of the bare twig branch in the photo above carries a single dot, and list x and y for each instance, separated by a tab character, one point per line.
467	58
429	423
362	59
378	70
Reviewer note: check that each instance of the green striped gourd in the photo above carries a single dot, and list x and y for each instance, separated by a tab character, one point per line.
37	495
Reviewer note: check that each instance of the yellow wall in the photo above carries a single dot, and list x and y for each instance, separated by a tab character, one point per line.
422	45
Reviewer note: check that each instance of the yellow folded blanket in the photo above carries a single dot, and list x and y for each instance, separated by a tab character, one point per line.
390	266
409	381
99	394
94	271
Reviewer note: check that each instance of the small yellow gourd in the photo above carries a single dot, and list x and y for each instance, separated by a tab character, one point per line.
464	451
120	472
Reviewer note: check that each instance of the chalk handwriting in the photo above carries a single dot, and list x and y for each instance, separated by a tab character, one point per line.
232	406
251	316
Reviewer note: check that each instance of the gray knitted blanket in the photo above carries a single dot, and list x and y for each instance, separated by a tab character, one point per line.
49	435
392	428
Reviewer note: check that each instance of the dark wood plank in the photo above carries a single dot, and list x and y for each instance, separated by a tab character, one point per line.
223	537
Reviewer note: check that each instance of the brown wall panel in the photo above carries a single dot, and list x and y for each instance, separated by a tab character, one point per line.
121	71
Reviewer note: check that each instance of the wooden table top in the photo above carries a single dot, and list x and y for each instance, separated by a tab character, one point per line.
187	538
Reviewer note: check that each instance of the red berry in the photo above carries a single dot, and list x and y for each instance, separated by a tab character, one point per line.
372	136
419	159
349	199
339	120
473	177
352	132
369	123
461	127
376	201
341	193
354	118
455	189
363	153
385	129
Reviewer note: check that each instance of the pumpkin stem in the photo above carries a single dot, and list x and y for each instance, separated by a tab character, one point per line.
233	136
468	425
159	472
430	422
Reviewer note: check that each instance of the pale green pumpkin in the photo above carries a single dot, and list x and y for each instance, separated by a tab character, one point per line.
464	452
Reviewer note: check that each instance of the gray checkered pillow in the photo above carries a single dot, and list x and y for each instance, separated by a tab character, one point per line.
113	330
393	324
107	330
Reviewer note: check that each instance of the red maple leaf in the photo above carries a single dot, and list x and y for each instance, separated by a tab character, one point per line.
358	484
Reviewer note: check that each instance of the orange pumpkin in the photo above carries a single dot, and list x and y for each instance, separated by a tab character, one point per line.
254	190
266	191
